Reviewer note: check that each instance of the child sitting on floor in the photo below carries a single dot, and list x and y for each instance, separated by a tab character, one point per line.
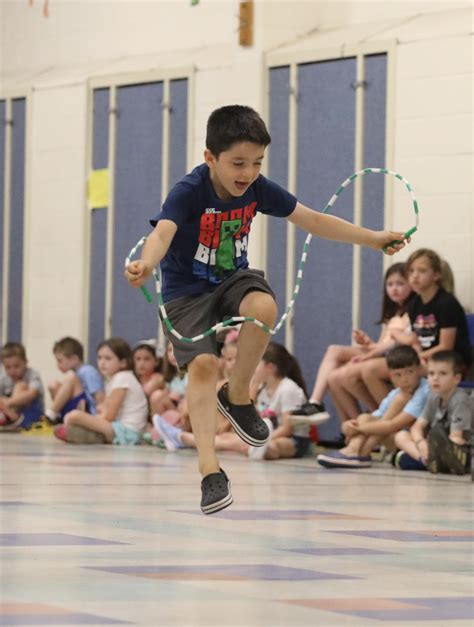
122	418
82	386
21	390
439	438
398	410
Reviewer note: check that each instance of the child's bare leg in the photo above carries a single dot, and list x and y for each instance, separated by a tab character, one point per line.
69	388
375	375
334	357
370	443
356	387
53	388
94	423
280	448
404	441
346	405
251	344
357	442
202	406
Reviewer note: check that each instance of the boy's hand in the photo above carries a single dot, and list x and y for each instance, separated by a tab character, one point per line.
389	241
137	272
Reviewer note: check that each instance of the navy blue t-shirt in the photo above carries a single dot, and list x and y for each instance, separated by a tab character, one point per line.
212	237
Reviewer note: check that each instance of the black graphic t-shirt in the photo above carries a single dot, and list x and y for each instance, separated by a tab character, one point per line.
212	237
443	311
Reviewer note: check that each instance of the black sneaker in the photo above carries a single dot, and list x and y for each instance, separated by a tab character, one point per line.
310	413
216	494
244	418
444	455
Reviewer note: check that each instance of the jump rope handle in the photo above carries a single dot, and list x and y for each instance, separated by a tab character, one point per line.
146	294
408	234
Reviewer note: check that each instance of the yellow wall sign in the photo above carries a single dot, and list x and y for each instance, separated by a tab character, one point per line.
98	188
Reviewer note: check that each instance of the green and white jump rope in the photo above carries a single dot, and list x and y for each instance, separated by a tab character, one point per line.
299	275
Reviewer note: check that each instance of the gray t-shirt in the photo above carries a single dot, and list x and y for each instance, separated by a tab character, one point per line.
457	415
31	378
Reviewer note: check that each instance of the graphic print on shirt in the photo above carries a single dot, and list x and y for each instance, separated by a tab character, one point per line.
223	241
426	329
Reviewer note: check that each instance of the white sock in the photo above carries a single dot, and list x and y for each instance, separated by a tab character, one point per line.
52	415
313	400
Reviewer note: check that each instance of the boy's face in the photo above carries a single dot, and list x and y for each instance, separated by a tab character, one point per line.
407	379
15	367
66	363
442	378
234	170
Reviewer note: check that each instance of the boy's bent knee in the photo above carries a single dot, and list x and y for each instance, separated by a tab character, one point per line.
204	366
259	305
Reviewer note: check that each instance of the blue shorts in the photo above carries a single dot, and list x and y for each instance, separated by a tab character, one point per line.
124	435
31	414
72	404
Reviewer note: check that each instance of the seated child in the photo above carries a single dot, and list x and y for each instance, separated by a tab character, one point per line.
147	367
281	389
122	418
439	438
170	402
82	386
21	390
398	410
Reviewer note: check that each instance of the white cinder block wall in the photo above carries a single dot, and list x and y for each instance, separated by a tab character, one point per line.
50	60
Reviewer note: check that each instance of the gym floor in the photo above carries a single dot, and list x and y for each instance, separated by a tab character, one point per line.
104	535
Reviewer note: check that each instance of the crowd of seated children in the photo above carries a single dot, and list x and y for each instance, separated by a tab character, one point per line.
436	318
398	410
278	387
123	415
342	367
439	439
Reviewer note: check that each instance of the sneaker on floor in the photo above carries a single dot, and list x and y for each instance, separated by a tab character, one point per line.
310	413
216	494
244	418
406	462
12	425
257	453
336	459
169	434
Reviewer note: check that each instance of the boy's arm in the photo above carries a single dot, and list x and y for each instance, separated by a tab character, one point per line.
418	430
23	398
394	419
99	397
334	228
155	248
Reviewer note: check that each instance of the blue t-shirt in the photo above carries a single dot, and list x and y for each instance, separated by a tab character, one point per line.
212	237
91	382
415	405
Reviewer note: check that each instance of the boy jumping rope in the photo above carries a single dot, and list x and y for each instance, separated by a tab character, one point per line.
201	240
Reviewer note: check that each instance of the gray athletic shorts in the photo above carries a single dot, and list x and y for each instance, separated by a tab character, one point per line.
192	315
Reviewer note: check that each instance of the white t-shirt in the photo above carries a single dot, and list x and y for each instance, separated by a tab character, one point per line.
133	412
285	398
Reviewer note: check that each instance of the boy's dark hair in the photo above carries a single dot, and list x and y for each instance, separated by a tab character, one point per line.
235	123
121	350
286	364
449	357
69	346
402	357
13	349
